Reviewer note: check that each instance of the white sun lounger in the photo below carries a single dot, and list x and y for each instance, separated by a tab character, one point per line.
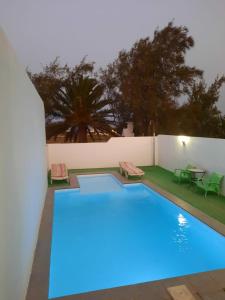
59	172
129	169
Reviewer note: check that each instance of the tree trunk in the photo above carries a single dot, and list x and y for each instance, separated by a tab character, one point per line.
82	134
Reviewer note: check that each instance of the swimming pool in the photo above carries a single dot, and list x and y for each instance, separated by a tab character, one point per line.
106	235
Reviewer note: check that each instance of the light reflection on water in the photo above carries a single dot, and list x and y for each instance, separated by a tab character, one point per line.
182	221
180	234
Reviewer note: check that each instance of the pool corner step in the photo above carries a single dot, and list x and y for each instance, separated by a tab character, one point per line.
180	292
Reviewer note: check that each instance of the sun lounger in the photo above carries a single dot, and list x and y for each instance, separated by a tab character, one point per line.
59	172
129	169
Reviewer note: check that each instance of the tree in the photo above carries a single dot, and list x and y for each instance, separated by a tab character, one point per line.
120	109
48	82
200	115
150	77
74	102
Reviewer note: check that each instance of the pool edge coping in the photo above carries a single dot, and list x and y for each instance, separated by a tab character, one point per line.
39	278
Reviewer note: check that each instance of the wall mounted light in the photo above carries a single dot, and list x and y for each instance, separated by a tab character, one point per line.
184	140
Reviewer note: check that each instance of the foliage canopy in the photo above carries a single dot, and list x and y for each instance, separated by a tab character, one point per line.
143	85
74	102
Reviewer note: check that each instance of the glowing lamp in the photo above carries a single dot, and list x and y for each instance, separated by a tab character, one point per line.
184	140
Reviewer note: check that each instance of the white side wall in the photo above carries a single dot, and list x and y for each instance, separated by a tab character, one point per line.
206	153
100	155
22	173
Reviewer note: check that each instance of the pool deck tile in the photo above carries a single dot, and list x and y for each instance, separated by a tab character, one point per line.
180	292
219	277
133	292
177	281
213	296
204	283
203	286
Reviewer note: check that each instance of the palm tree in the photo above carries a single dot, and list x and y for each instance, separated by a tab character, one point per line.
79	109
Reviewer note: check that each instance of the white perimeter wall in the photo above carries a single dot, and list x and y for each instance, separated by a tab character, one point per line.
22	173
138	150
206	153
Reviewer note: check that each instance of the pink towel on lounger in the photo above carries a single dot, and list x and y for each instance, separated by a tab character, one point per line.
58	170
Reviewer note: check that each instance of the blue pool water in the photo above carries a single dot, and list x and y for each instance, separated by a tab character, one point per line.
107	235
99	183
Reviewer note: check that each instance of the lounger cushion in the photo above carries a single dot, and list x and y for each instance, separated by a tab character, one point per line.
59	171
131	169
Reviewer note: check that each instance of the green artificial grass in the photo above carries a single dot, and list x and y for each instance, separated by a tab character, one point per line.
212	205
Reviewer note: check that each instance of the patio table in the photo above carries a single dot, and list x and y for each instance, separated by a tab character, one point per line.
196	174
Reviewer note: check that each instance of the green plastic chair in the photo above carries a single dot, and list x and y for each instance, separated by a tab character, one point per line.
183	175
210	183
